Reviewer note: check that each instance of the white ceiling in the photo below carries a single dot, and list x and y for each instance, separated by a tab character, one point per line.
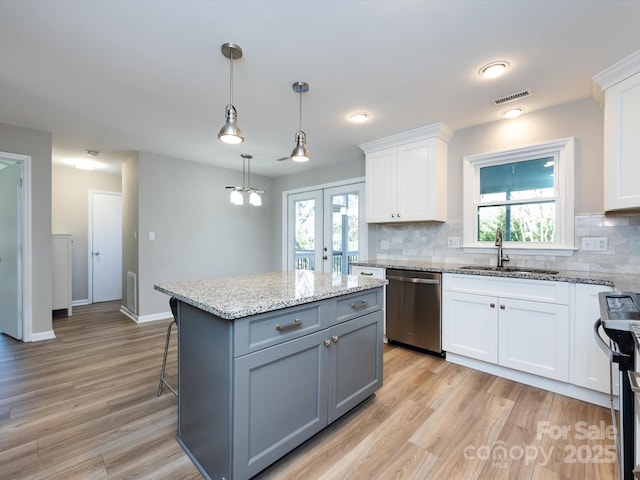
119	76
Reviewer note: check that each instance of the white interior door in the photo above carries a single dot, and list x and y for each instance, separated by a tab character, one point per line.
10	248
105	248
326	228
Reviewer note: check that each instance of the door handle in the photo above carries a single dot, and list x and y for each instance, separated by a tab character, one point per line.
97	254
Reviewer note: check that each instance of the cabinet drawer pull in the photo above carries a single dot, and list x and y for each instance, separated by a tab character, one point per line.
492	305
368	274
334	338
296	323
327	343
360	305
502	307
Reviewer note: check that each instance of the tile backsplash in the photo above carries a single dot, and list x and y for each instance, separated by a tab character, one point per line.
430	242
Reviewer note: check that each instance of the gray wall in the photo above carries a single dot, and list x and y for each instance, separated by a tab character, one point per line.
582	119
70	214
198	232
37	145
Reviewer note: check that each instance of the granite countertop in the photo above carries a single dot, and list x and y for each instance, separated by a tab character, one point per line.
241	296
622	282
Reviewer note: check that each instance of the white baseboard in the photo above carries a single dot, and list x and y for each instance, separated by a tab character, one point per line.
84	301
567	389
38	337
145	318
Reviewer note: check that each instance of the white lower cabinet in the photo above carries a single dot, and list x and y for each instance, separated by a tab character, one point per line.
533	337
591	363
527	330
470	325
526	335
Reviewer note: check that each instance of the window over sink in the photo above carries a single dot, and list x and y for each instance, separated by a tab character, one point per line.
527	192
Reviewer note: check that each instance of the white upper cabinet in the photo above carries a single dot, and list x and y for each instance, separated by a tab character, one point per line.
621	85
406	176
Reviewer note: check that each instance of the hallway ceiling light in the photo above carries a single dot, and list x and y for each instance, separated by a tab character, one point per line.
493	69
300	152
230	133
514	113
237	193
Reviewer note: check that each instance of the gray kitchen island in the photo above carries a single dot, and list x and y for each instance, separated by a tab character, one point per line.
266	361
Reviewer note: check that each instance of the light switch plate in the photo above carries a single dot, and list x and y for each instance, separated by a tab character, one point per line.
152	235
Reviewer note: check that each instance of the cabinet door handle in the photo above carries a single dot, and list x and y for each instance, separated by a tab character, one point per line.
327	343
334	338
492	305
360	305
502	307
288	326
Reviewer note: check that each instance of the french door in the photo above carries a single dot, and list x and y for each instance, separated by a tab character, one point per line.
326	228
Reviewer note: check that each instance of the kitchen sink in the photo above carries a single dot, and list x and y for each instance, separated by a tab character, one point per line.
541	271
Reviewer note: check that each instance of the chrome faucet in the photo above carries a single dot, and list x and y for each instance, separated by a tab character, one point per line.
501	257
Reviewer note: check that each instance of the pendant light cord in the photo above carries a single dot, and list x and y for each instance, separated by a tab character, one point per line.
300	124
231	78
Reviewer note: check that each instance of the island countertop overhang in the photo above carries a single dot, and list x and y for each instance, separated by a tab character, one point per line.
245	295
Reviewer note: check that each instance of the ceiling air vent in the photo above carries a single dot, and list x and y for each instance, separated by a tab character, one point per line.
513	97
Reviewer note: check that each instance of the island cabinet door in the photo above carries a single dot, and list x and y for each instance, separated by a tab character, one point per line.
280	400
355	362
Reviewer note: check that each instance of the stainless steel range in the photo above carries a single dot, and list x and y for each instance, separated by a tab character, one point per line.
619	318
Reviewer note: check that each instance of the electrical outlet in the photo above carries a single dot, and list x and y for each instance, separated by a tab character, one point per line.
595	244
453	242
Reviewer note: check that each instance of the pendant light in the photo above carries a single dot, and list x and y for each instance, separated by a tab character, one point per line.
237	197
230	133
300	152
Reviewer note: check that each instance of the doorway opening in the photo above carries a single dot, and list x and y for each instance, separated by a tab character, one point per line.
15	246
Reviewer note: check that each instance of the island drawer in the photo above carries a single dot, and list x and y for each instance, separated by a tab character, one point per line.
357	304
265	330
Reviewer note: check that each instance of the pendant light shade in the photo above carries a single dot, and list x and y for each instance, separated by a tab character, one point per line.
237	193
300	152
230	132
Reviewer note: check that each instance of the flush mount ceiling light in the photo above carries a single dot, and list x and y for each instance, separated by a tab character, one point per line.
513	113
300	152
237	193
493	69
359	117
230	133
85	163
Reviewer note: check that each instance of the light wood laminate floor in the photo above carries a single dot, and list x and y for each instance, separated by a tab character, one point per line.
84	406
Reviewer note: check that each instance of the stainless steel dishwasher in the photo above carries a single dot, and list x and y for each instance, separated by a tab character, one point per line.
413	309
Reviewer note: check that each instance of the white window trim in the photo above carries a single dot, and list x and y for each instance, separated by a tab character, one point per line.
563	150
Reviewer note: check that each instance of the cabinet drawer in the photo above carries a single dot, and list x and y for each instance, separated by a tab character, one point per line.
507	287
371	272
358	304
261	331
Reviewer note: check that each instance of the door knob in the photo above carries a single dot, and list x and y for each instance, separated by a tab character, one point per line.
97	254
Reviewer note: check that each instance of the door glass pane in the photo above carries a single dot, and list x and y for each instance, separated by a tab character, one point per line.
305	234
344	231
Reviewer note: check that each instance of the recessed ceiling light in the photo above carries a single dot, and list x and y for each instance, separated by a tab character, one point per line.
359	117
493	69
512	113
